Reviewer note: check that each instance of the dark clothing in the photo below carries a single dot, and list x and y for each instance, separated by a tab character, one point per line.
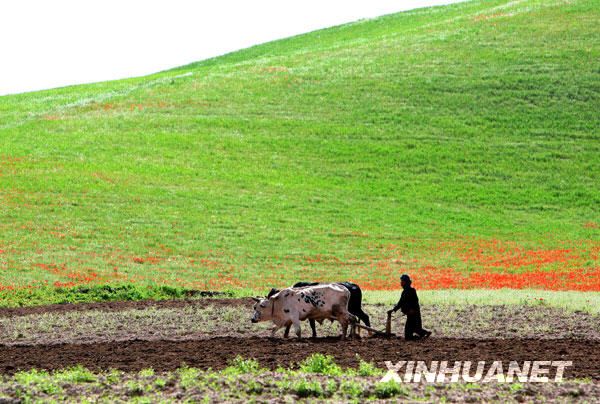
409	305
409	301
413	326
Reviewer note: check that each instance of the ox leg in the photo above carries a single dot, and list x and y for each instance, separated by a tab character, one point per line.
286	334
297	328
364	317
274	330
349	319
295	321
344	324
313	327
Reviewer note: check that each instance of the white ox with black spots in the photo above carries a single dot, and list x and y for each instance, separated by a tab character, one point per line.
292	305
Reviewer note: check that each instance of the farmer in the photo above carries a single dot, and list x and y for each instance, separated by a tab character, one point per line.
409	304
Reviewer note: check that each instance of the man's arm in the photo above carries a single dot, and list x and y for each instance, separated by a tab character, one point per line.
398	305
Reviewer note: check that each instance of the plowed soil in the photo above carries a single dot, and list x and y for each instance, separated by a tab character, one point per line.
271	352
217	351
118	306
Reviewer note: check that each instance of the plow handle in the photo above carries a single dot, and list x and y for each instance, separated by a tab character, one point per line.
388	324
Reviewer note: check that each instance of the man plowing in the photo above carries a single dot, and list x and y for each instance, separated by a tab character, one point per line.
409	305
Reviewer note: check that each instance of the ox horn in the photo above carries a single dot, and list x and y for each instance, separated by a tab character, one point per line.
256	299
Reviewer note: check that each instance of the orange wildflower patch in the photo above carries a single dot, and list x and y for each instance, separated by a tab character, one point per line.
490	264
517	258
429	277
74	277
150	260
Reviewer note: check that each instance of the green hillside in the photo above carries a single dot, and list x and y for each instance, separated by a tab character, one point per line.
395	142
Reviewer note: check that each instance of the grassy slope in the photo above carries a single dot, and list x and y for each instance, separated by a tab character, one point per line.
384	137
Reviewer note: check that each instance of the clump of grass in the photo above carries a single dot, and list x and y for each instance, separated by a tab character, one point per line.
389	389
321	364
239	365
188	377
134	388
368	369
515	387
160	383
77	374
331	387
38	380
305	388
254	387
114	376
351	388
146	373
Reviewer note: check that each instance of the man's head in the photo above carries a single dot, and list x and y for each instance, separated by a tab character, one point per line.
405	280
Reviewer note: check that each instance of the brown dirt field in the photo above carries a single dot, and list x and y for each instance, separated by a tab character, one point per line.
119	306
215	353
212	318
208	333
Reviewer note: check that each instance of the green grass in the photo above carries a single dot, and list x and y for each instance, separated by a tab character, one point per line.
190	384
474	121
94	293
588	302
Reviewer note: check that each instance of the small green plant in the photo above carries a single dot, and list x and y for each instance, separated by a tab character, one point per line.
134	388
188	377
228	314
160	383
389	389
146	373
304	388
38	379
254	387
113	376
321	364
331	387
366	369
515	387
240	365
77	374
351	389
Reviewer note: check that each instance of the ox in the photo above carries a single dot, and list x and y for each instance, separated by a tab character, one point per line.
354	304
292	305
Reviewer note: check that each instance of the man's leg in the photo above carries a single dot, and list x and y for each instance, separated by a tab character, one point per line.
409	328
419	327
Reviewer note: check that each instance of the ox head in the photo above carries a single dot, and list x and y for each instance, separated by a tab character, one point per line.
262	310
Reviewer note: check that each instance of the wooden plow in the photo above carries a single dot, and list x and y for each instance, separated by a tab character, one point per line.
387	333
